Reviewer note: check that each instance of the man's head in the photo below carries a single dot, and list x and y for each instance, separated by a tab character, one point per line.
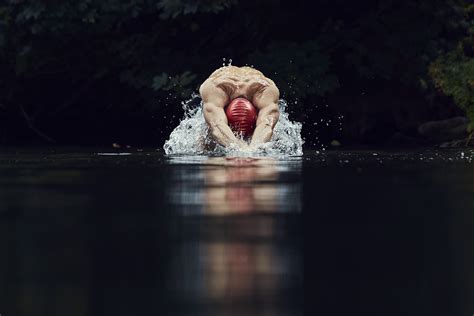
242	116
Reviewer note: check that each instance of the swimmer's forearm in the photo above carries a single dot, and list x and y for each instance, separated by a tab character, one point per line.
224	135
262	134
216	119
268	117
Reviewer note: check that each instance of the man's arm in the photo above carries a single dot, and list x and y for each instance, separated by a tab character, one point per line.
214	100
268	115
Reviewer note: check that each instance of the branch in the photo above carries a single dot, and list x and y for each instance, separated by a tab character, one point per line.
33	128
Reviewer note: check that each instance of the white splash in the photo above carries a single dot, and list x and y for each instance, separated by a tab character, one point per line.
192	136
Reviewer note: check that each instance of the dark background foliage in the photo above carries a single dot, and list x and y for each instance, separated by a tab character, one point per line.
79	72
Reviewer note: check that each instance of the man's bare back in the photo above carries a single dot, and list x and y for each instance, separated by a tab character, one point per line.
230	82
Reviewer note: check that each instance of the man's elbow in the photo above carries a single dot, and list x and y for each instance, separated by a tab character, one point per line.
268	121
210	115
208	108
209	111
274	111
273	114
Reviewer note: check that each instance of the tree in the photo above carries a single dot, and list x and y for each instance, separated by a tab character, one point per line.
453	71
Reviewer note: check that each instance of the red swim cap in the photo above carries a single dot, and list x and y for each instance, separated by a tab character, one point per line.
242	116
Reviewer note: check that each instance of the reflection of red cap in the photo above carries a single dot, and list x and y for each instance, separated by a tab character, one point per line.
242	116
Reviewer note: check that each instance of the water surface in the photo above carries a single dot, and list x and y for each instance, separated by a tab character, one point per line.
97	232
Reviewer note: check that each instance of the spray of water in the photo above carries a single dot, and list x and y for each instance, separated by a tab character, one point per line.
192	136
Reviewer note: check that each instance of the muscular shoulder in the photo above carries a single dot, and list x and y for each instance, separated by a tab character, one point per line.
210	93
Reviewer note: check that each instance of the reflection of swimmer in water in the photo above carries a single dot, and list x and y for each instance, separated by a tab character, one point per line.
235	186
240	186
242	88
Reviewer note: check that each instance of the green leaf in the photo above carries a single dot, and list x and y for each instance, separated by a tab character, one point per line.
159	81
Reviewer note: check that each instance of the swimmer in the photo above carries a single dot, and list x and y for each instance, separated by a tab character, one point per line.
252	106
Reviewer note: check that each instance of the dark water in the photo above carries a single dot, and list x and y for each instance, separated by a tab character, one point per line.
334	233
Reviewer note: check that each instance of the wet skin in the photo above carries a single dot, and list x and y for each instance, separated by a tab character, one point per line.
230	82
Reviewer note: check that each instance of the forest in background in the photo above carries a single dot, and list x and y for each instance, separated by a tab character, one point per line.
84	72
